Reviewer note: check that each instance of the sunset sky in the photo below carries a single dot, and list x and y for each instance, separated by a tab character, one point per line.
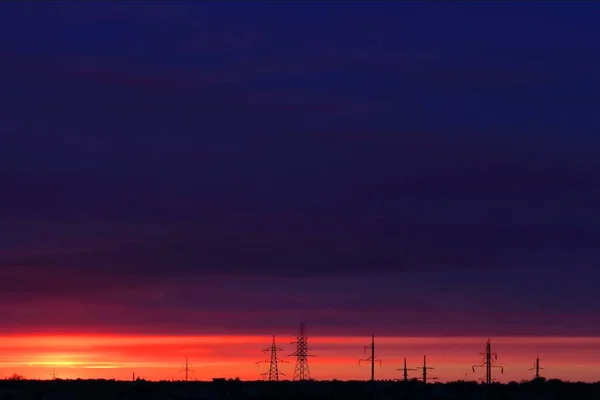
190	179
160	357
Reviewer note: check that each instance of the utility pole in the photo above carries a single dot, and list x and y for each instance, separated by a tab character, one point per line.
54	374
273	373
301	372
488	362
405	371
536	368
372	359
186	368
424	372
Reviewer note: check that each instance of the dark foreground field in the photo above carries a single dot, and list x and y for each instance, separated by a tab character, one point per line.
113	390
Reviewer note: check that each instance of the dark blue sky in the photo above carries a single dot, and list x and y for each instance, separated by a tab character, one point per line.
424	168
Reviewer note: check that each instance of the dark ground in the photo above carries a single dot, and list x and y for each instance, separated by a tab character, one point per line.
230	389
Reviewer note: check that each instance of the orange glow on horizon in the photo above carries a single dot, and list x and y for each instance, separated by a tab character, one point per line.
161	357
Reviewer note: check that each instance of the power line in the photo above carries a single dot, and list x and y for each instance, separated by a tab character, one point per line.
301	372
405	371
273	373
424	369
488	362
536	368
186	368
372	359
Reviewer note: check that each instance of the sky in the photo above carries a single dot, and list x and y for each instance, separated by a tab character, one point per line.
193	178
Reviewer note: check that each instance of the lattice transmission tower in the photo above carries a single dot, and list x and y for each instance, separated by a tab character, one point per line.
405	371
424	369
488	362
301	372
536	368
372	359
273	373
186	369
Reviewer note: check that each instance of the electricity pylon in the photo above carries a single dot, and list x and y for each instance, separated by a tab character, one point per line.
405	371
372	359
301	372
488	362
536	368
186	369
273	373
424	375
53	375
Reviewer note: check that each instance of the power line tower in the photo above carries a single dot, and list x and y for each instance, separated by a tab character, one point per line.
536	368
301	372
405	371
372	359
53	375
273	373
488	362
186	368
424	368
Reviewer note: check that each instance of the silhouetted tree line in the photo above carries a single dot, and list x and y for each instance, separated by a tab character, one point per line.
16	388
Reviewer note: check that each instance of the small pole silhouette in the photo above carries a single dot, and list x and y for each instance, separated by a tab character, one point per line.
536	368
488	362
424	372
405	371
273	373
186	368
372	359
301	372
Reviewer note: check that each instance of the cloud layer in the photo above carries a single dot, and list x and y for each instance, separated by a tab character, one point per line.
370	171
